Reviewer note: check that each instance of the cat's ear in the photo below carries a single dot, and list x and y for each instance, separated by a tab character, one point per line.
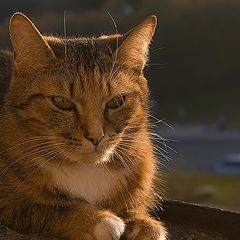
133	51
131	48
31	51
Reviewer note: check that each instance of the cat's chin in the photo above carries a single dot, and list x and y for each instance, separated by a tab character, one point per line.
94	157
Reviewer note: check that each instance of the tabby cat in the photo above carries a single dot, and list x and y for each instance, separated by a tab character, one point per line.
76	157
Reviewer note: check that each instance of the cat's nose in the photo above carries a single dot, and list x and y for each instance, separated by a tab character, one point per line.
95	137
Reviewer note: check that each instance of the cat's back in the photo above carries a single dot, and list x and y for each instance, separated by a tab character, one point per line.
6	67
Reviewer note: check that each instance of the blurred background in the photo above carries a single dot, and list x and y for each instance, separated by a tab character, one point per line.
194	77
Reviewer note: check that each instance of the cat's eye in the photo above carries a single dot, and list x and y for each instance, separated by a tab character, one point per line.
116	102
63	103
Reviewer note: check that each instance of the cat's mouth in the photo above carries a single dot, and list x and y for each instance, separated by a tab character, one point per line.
93	156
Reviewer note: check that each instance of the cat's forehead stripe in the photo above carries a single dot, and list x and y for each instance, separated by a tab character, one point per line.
81	53
90	70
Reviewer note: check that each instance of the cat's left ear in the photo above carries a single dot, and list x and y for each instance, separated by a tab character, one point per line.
31	51
133	51
131	48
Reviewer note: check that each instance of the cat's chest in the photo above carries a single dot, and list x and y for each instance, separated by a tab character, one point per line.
93	183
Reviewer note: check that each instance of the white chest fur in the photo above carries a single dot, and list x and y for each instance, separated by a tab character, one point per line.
92	182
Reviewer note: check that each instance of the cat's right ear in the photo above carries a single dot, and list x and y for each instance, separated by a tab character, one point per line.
31	51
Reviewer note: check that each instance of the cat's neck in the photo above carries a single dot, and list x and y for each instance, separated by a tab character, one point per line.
92	182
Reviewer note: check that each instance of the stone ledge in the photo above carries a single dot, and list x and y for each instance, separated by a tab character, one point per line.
185	221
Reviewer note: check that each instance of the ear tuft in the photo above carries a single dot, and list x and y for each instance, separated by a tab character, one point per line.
31	51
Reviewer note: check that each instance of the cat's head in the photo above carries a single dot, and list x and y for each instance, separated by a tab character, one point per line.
82	95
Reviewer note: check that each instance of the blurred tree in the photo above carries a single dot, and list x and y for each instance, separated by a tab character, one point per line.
198	39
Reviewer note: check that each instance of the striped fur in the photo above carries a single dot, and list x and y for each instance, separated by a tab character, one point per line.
54	180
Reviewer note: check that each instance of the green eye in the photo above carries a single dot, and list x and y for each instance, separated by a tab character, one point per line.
116	102
62	103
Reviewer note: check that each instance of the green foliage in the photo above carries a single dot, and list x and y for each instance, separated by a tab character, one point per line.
208	189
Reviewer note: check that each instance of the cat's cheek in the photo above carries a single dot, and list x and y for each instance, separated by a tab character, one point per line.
109	228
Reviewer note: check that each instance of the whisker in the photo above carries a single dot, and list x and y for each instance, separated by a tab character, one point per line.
157	64
157	49
65	37
160	121
29	154
56	155
22	142
65	46
114	55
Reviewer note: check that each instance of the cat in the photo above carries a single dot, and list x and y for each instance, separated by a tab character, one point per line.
76	156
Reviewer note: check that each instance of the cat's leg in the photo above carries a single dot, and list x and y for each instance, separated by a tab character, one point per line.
87	223
80	222
143	227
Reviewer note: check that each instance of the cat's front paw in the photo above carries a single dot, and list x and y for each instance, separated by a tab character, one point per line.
109	228
145	229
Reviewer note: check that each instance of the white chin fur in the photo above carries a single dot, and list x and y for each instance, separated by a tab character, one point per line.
93	157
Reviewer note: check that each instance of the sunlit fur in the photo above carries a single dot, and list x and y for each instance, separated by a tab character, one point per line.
54	180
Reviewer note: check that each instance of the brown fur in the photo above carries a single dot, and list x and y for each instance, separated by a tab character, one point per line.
6	68
39	140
